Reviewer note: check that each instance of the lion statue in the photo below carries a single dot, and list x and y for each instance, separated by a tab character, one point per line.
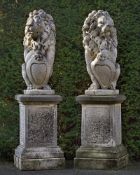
100	43
39	50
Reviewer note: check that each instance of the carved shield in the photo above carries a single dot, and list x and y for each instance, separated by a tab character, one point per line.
104	72
37	72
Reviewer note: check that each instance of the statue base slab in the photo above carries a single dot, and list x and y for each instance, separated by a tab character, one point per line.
38	148
101	139
102	92
39	92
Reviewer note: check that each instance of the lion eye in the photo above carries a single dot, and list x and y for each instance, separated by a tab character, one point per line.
101	22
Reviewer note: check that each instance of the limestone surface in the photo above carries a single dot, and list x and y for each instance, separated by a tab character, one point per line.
38	147
101	136
100	43
39	50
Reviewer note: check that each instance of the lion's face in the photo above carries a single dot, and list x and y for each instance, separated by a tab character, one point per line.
39	28
104	23
35	25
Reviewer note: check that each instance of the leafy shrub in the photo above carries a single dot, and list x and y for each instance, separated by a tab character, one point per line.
70	77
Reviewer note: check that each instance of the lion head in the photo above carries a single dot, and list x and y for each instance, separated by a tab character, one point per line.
39	32
99	34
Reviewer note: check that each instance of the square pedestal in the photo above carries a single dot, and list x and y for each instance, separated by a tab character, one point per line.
101	140
38	133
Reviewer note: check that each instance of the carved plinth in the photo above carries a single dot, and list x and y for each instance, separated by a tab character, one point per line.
38	133
101	139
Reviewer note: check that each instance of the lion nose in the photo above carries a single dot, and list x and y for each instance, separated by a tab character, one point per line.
106	27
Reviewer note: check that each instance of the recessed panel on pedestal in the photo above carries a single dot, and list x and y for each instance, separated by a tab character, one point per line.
41	126
97	125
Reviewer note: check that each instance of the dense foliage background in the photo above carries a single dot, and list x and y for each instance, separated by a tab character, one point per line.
70	77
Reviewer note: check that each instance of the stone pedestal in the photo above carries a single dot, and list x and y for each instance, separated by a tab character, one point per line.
38	133
101	139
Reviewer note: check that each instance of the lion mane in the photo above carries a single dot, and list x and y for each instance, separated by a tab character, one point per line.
99	34
39	44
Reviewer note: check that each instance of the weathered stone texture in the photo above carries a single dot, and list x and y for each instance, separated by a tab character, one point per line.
38	133
101	139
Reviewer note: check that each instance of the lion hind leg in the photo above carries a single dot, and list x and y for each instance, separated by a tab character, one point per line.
25	77
113	84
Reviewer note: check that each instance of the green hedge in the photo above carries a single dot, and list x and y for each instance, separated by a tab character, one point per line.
70	77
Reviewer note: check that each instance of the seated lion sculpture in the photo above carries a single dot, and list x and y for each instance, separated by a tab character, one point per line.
100	43
39	50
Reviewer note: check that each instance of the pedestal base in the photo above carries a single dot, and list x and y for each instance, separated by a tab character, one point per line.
101	138
39	92
102	92
101	158
39	158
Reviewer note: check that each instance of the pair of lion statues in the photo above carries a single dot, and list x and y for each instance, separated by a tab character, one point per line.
99	40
